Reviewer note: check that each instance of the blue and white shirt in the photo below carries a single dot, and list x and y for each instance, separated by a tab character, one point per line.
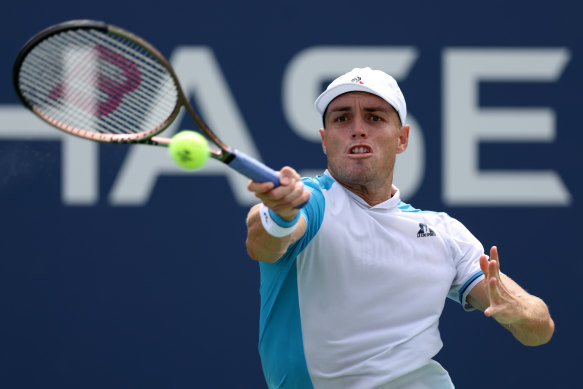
355	303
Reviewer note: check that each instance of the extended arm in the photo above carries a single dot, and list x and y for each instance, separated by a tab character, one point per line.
282	200
524	315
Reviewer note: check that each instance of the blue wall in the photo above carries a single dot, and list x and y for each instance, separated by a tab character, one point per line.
106	282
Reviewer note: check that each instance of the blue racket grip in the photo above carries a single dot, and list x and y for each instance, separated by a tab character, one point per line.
255	170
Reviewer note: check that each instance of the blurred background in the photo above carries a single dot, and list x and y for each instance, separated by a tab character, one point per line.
118	270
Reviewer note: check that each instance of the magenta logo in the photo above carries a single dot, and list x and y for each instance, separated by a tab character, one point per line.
82	82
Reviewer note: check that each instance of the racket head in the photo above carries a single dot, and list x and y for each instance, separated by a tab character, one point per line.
103	83
97	81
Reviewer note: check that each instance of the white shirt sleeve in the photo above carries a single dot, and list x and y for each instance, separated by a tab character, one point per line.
466	251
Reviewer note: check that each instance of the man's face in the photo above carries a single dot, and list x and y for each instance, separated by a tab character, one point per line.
363	135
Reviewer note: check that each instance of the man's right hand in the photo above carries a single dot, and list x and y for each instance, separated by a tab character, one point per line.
285	198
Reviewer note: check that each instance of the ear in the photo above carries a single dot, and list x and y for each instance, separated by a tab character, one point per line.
322	131
403	139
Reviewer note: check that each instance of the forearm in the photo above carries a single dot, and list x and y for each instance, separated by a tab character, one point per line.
261	246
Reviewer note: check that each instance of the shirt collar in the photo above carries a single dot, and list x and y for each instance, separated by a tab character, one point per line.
389	204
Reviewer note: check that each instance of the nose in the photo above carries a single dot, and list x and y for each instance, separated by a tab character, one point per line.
359	132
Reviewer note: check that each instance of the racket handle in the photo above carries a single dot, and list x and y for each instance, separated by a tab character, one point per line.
252	168
255	170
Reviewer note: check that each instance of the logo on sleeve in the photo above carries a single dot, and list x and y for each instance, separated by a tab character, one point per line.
424	231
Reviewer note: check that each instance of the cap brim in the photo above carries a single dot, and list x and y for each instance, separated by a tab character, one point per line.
328	95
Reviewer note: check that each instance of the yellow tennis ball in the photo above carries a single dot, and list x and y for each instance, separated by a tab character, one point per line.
189	149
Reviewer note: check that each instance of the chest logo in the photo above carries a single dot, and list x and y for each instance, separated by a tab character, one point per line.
424	231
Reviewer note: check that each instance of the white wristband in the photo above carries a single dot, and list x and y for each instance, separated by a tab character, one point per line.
274	224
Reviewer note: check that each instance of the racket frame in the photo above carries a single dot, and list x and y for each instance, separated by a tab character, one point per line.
224	154
237	160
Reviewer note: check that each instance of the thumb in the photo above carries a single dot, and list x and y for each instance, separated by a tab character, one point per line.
287	175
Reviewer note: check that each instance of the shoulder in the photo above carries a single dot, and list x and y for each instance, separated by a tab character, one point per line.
313	210
319	183
318	186
438	219
409	210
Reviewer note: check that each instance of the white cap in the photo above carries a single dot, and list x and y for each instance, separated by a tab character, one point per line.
368	80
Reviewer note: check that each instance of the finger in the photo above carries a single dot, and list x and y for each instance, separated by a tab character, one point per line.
302	199
285	198
271	193
493	268
298	196
290	181
289	197
288	175
494	254
484	264
494	293
283	192
494	258
490	311
259	187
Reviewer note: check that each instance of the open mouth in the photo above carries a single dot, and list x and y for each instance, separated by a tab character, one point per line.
360	150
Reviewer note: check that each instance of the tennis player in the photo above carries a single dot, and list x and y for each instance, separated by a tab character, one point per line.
353	284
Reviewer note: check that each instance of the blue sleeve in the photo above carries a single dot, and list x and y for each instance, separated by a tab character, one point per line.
280	335
313	214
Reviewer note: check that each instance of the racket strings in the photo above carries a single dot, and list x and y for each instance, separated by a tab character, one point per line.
108	98
115	88
97	82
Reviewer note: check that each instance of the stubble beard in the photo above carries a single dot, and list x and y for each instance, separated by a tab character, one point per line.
361	176
356	175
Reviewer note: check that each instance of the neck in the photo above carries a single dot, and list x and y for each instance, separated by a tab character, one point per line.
370	193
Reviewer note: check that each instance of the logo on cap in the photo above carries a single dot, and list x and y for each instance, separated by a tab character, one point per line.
357	79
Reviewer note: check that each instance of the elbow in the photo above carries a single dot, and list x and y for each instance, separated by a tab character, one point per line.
255	253
547	336
541	337
251	251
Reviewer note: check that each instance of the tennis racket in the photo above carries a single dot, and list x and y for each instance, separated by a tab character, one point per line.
102	83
